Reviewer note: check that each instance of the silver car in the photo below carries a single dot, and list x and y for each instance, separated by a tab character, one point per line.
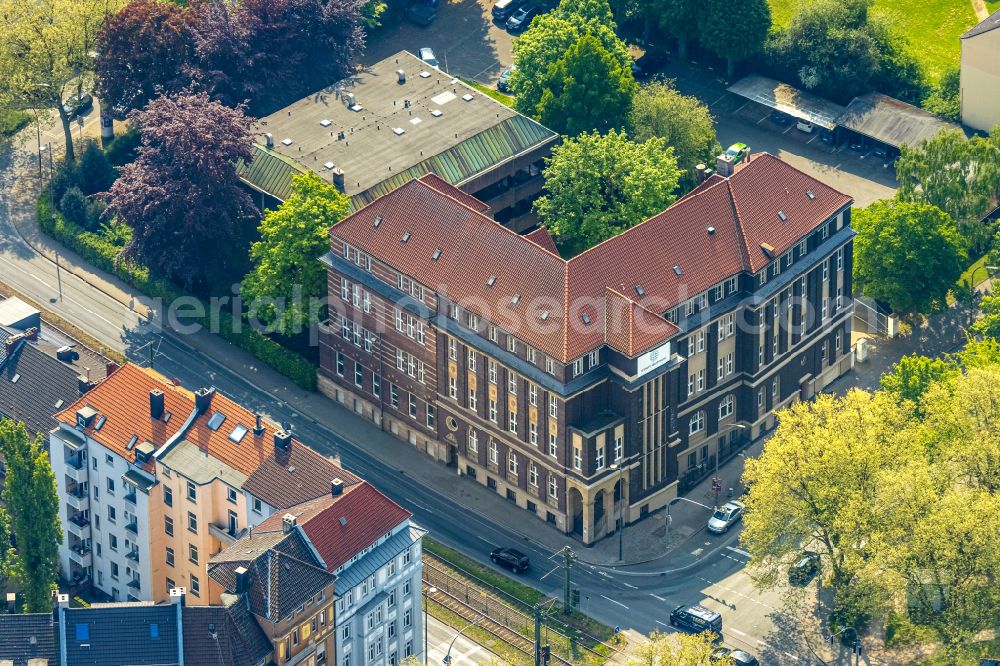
725	517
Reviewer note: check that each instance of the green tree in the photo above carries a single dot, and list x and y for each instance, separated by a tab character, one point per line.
659	110
287	272
944	98
45	52
815	484
675	18
989	324
676	650
913	375
548	39
958	175
733	30
7	554
907	254
589	90
30	495
599	185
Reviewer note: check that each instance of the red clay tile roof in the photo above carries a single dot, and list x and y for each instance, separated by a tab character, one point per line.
444	187
555	297
631	328
123	398
543	239
367	513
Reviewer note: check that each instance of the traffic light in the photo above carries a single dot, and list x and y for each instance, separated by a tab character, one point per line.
546	652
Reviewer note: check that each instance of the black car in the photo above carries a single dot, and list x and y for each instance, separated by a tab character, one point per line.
511	559
696	619
422	14
648	65
503	83
503	9
78	104
804	569
521	19
738	657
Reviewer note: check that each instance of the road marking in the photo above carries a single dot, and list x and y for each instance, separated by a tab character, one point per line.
737	631
656	596
739	551
616	602
486	540
661	624
629	586
789	654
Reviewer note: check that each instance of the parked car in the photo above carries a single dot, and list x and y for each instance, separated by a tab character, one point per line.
780	118
805	126
421	13
828	137
738	151
503	9
857	144
804	569
648	64
696	619
738	657
503	83
511	559
78	104
725	517
521	19
427	55
880	151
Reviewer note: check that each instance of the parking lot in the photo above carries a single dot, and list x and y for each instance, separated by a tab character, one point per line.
464	37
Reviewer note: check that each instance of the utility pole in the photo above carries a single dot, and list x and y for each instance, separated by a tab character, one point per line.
58	276
538	635
568	558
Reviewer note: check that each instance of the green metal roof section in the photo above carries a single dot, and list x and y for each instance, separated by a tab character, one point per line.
270	172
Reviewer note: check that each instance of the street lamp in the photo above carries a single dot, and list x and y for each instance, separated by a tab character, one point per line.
621	500
717	482
666	519
427	591
447	657
989	271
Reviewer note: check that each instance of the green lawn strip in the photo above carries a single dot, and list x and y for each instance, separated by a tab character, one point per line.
480	574
12	122
506	100
932	28
977	268
968	655
478	635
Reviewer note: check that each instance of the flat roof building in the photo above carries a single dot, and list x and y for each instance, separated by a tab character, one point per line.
397	120
891	121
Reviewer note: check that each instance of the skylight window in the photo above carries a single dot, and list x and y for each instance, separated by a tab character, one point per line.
286	142
514	301
238	433
467	97
545	315
59	403
166	417
586	319
398	131
406	236
437	113
809	193
13	380
329	165
437	254
782	216
131	443
325	123
639	290
215	422
491	281
677	270
100	423
378	221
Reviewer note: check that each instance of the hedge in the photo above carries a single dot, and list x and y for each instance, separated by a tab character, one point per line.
103	254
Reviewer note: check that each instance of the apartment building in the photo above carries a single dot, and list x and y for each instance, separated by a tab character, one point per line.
154	480
595	387
369	543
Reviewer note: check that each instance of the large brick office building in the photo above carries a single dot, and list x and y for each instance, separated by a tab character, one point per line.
615	376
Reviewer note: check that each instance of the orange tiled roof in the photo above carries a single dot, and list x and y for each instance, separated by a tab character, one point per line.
542	238
709	235
341	526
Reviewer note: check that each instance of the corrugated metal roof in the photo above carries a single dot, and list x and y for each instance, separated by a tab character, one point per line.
892	121
788	99
269	172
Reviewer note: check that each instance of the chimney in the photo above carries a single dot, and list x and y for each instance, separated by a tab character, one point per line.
242	579
177	595
11	602
110	367
268	139
349	100
258	428
336	487
724	164
84	384
31	334
338	178
155	404
401	76
203	399
11	342
62	600
283	440
287	523
700	170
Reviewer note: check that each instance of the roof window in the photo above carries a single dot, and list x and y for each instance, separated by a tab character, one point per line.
782	216
378	221
516	299
809	193
286	142
406	237
131	443
545	315
436	255
215	422
639	290
677	270
585	318
100	423
491	281
238	433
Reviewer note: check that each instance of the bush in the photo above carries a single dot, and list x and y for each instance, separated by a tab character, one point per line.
101	252
123	149
95	172
73	206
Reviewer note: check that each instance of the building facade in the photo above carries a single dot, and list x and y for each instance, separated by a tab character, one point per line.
598	387
980	75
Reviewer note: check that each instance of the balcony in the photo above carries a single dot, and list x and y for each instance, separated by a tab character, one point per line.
130	497
133	527
225	535
78	498
79	526
76	468
134	584
132	555
81	555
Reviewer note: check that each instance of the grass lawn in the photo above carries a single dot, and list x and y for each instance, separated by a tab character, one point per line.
977	268
506	100
11	122
932	26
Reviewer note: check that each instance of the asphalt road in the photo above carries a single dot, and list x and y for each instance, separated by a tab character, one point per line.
640	600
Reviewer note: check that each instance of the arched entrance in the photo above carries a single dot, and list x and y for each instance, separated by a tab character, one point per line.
574	509
600	514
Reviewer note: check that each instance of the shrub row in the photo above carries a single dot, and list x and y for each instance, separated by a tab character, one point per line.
103	254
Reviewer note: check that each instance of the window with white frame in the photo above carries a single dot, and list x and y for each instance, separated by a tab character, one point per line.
493	410
550	365
511	344
345	289
511	383
472	360
577	458
726	406
720	373
492	367
760	397
552	444
731	286
774	388
452	349
826	270
512	421
472	441
599	458
453	388
533	433
701	380
619	447
512	462
553	486
529	352
840	259
413	405
431	417
494	335
472	399
802	248
553	407
690	385
697	423
494	452
762	278
533	474
594	358
473	321
730	363
577	367
701	340
532	394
